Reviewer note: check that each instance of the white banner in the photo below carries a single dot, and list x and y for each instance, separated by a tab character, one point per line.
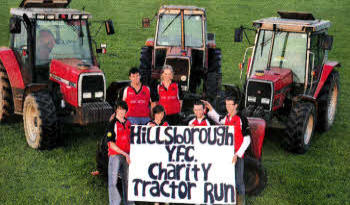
180	164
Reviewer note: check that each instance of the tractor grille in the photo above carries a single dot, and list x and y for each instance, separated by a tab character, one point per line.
180	66
93	84
259	93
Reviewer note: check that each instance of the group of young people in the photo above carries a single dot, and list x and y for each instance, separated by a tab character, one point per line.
165	102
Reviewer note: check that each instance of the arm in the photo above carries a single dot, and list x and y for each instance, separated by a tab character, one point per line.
246	139
244	146
212	114
180	95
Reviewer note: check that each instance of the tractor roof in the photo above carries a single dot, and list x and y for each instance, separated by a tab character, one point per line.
187	9
44	3
294	22
33	12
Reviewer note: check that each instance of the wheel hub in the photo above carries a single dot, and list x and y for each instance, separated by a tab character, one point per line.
308	131
32	123
332	106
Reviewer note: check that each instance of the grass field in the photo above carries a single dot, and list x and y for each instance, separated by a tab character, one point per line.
62	175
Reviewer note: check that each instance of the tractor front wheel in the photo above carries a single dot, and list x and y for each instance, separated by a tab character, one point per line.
328	102
255	176
102	156
6	103
300	127
40	121
214	75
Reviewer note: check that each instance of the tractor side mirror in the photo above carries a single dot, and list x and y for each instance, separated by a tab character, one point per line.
211	37
146	23
109	27
102	49
15	25
327	42
239	34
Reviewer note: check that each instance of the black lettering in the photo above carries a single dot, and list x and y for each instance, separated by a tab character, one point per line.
158	141
155	189
162	172
195	171
182	190
220	132
230	188
170	152
210	140
203	133
150	171
216	192
208	193
172	172
149	141
180	152
188	136
136	186
179	139
143	133
189	188
162	188
170	137
229	138
135	131
179	167
173	187
188	157
194	130
145	184
206	171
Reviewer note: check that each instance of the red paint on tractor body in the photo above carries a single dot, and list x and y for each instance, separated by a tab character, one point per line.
327	69
66	73
257	129
12	67
282	80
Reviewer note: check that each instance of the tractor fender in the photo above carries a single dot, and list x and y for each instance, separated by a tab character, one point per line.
9	61
114	90
328	67
34	87
305	98
257	129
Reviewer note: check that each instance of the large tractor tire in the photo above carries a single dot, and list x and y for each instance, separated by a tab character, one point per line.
255	176
328	102
40	121
102	156
6	103
300	127
213	77
146	65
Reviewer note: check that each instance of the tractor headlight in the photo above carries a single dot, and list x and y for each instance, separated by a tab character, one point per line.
50	17
183	78
84	17
265	101
99	94
87	95
251	99
76	16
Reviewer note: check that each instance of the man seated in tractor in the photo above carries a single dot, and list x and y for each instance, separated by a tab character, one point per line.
200	119
242	139
46	43
169	94
138	98
118	138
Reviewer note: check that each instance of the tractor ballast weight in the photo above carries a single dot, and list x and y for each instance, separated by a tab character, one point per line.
49	74
182	41
289	77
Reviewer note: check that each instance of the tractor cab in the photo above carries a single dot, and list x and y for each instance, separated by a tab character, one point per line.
181	40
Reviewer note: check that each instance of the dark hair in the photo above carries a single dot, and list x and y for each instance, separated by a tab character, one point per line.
232	98
198	102
158	109
121	104
133	70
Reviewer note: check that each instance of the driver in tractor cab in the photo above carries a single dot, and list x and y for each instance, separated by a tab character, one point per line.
46	43
242	139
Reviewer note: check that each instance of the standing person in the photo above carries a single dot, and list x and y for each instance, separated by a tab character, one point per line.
169	95
242	139
158	114
200	119
138	97
118	139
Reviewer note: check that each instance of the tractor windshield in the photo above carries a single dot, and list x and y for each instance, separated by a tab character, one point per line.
62	39
288	51
169	30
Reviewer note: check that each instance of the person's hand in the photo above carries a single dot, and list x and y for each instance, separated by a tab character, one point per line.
234	159
127	157
152	124
207	105
112	116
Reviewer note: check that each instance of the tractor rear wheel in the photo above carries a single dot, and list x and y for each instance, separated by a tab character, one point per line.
214	75
6	103
300	127
102	156
328	102
146	65
40	121
255	176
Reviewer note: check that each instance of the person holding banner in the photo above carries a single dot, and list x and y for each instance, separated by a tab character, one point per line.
169	95
198	110
118	139
241	142
158	114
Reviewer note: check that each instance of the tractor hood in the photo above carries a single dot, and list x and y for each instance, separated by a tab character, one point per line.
280	77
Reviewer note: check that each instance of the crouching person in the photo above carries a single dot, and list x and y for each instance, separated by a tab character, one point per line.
242	139
118	138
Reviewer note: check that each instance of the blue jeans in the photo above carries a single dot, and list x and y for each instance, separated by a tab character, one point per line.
139	120
239	169
118	163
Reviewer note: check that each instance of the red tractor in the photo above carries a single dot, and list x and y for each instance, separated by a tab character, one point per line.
49	74
182	41
289	80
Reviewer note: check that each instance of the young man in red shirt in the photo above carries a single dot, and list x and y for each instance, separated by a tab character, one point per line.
138	98
118	139
242	139
200	119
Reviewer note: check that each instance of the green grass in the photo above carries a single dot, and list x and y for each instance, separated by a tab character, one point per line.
62	175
